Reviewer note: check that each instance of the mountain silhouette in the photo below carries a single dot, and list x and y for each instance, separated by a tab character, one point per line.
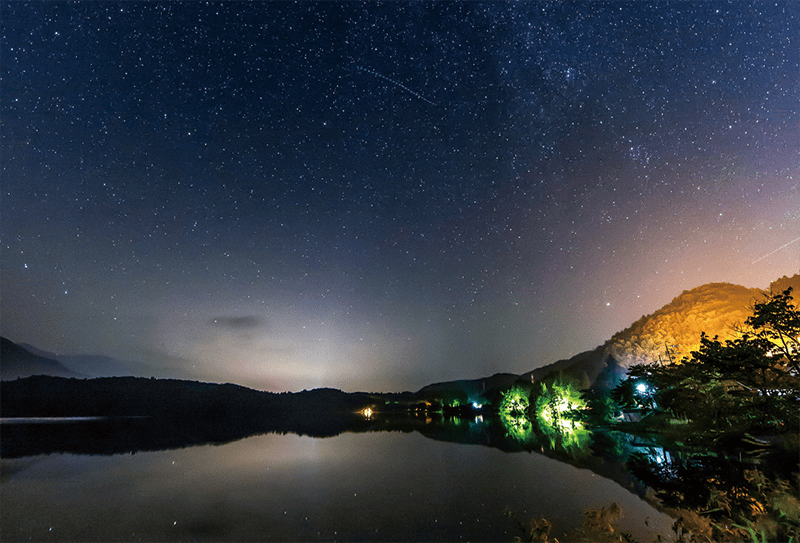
17	362
100	366
476	390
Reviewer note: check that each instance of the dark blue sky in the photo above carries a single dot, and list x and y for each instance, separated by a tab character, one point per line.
381	195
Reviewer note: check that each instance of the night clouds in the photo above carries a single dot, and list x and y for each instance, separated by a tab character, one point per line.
249	322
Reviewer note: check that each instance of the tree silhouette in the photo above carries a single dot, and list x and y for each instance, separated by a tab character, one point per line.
747	383
777	322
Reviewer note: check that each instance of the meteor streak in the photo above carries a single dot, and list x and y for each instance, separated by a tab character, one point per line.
396	83
795	240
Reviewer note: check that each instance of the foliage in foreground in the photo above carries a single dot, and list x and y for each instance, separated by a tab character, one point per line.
598	526
716	500
775	518
748	384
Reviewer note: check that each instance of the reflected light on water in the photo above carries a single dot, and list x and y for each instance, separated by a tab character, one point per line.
372	486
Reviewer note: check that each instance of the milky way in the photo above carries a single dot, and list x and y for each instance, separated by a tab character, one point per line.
376	196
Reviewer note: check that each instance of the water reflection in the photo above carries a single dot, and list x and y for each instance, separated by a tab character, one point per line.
357	486
558	435
601	451
722	497
379	471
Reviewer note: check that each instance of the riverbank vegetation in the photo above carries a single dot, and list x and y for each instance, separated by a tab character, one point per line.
722	423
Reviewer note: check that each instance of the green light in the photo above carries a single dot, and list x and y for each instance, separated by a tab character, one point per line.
517	427
557	410
515	402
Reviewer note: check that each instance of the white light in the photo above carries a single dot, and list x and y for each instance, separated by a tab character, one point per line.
641	387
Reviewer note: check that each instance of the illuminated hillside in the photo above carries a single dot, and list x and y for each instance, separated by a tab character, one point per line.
715	308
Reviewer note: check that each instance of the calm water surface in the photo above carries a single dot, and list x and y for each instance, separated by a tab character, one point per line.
352	487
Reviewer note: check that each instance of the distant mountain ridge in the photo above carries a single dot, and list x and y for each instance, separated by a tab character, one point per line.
16	362
475	389
99	365
586	367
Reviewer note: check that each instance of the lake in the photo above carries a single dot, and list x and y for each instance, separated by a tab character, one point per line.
371	486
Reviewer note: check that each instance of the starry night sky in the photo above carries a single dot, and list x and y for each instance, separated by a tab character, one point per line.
377	196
